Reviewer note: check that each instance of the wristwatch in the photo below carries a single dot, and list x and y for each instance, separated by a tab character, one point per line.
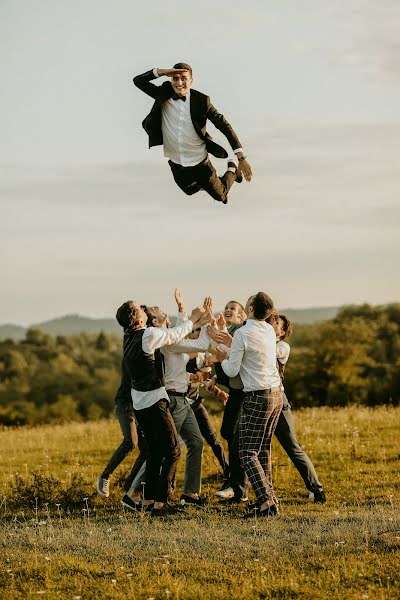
240	158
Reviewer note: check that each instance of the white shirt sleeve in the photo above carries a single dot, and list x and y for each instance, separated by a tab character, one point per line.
282	352
200	345
231	366
157	337
155	72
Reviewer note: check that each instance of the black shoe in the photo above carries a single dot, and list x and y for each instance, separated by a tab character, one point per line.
129	503
165	511
239	177
319	497
188	500
234	500
224	485
270	511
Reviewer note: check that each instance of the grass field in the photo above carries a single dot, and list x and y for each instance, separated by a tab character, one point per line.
62	546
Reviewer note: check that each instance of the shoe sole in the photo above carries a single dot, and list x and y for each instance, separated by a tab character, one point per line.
99	491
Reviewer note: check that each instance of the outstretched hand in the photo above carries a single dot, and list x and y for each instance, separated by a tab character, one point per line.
179	300
245	168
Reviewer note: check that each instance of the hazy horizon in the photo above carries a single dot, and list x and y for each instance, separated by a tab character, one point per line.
90	217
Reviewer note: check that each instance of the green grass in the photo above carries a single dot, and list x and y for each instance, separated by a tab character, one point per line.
348	548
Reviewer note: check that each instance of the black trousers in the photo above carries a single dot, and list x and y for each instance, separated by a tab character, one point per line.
209	434
203	177
230	432
162	443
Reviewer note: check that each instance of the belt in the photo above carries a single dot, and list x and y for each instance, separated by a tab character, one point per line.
174	393
262	392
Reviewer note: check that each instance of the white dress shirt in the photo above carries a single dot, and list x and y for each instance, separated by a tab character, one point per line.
253	356
153	338
181	143
175	357
282	352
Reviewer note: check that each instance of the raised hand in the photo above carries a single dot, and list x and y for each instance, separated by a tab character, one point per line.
179	300
245	168
222	337
197	314
221	323
213	333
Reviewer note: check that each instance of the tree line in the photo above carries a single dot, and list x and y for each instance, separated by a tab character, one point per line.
351	359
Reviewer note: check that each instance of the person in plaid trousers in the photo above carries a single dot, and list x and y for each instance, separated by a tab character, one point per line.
253	356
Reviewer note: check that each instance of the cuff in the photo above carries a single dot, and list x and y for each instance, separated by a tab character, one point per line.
155	73
237	149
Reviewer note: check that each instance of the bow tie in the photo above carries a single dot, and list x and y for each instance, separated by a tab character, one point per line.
177	97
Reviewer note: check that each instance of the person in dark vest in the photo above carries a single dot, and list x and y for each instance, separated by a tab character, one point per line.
145	365
177	121
285	430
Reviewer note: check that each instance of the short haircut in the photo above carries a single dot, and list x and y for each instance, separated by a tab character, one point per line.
182	65
128	314
287	327
262	306
235	302
273	317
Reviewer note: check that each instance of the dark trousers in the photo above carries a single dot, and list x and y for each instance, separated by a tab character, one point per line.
126	418
286	435
141	459
161	439
230	432
210	435
203	177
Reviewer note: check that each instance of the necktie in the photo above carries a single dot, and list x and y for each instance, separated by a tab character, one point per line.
178	97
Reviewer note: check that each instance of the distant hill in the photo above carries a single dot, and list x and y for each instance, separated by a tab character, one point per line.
75	324
308	316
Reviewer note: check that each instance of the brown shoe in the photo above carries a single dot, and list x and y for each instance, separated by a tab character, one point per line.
239	177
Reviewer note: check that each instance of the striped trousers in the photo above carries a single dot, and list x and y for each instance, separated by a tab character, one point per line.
260	414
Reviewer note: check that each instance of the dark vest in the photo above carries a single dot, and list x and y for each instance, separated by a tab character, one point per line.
145	370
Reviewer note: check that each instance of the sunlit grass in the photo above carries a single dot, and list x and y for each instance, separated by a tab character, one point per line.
348	548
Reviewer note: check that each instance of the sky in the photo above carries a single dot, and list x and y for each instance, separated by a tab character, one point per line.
90	217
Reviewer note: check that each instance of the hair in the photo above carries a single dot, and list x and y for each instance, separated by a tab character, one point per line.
287	327
235	302
262	306
182	65
128	314
273	317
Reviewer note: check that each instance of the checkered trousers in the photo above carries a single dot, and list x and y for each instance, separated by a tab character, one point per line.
260	414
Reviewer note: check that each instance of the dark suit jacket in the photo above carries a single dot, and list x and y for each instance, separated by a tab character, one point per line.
201	109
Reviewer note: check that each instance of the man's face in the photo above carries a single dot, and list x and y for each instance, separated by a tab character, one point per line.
248	308
233	313
181	83
159	318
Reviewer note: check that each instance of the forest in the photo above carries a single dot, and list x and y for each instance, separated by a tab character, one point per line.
353	359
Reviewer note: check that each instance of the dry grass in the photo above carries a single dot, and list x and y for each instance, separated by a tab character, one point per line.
346	549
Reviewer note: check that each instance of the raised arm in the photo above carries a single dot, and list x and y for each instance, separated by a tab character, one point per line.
143	81
222	124
231	366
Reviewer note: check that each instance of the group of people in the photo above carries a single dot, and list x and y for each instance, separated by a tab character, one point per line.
159	406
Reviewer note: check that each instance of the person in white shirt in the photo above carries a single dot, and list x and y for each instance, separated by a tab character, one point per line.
285	431
253	356
177	121
145	365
